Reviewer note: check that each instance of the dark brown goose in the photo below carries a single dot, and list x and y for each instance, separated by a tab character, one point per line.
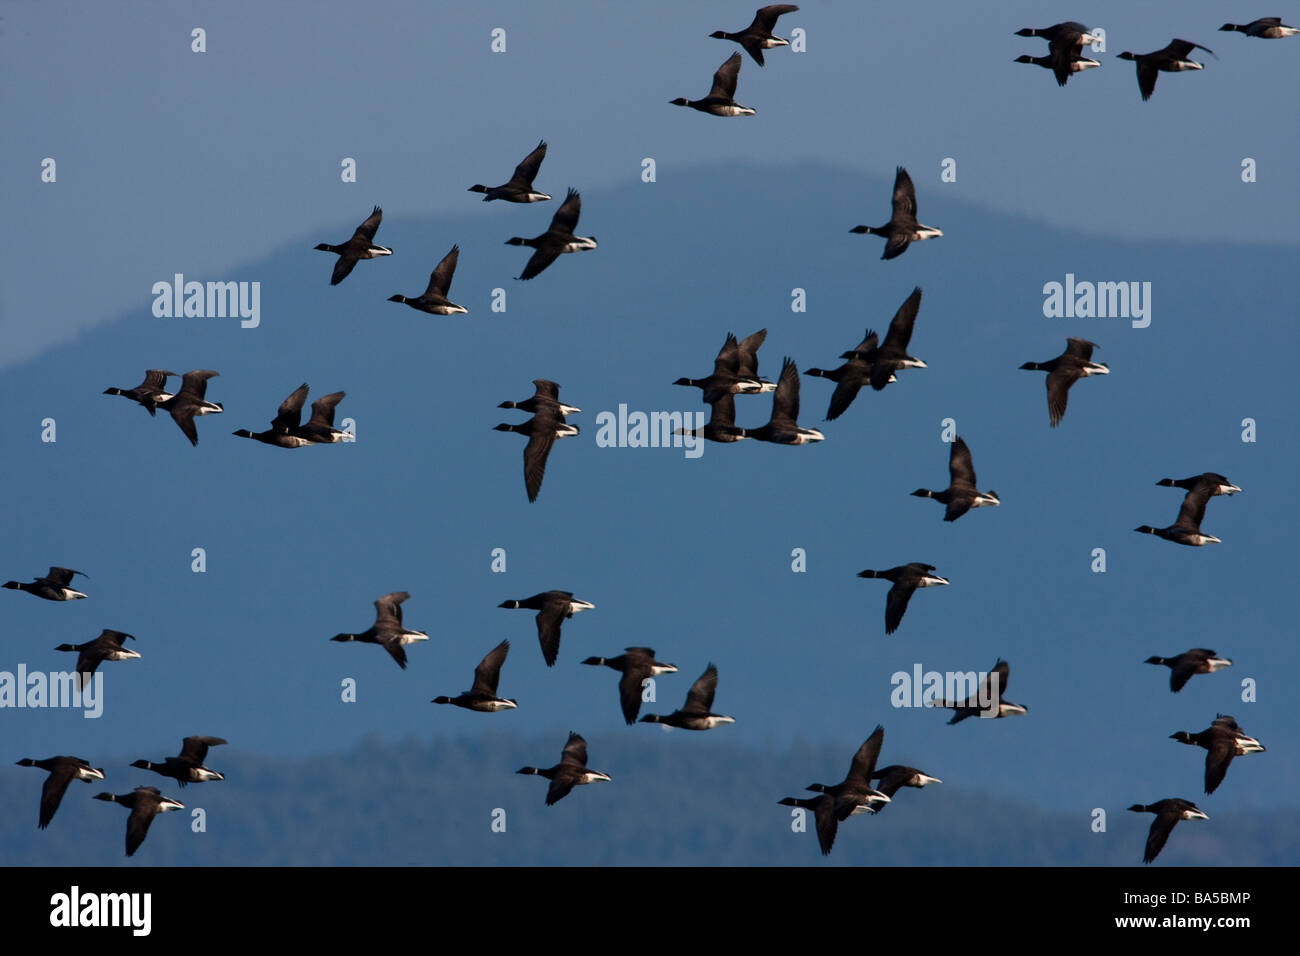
961	495
284	430
1186	529
546	393
906	579
106	647
1063	371
553	609
721	99
637	665
1168	812
697	712
1222	741
556	240
1170	59
150	393
854	794
727	377
362	245
902	228
54	586
570	772
1185	666
1265	28
520	187
62	771
988	700
758	36
145	803
483	695
434	298
320	428
546	425
188	766
190	402
388	631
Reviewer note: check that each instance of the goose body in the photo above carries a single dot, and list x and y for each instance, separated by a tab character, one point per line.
961	495
1171	59
547	424
891	355
145	803
852	376
187	767
696	713
388	631
546	394
894	777
62	771
903	227
758	36
1184	666
1168	812
284	430
994	686
106	647
721	99
1265	28
906	578
825	821
721	426
570	772
636	664
320	428
553	609
1063	371
1222	741
362	245
735	370
1065	43
1186	530
56	585
556	240
482	696
150	393
433	299
783	426
1219	485
520	187
191	402
854	794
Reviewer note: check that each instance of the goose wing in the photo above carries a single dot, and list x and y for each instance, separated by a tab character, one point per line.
699	699
863	766
575	751
195	749
440	278
785	400
724	81
1192	511
367	229
526	171
290	414
1059	381
388	609
322	410
565	219
488	672
56	784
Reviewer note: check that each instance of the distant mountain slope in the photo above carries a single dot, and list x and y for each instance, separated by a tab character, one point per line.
684	802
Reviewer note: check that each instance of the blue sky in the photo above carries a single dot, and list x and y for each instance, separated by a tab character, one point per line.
224	166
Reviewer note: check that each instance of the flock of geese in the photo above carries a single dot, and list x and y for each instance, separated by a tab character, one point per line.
874	362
